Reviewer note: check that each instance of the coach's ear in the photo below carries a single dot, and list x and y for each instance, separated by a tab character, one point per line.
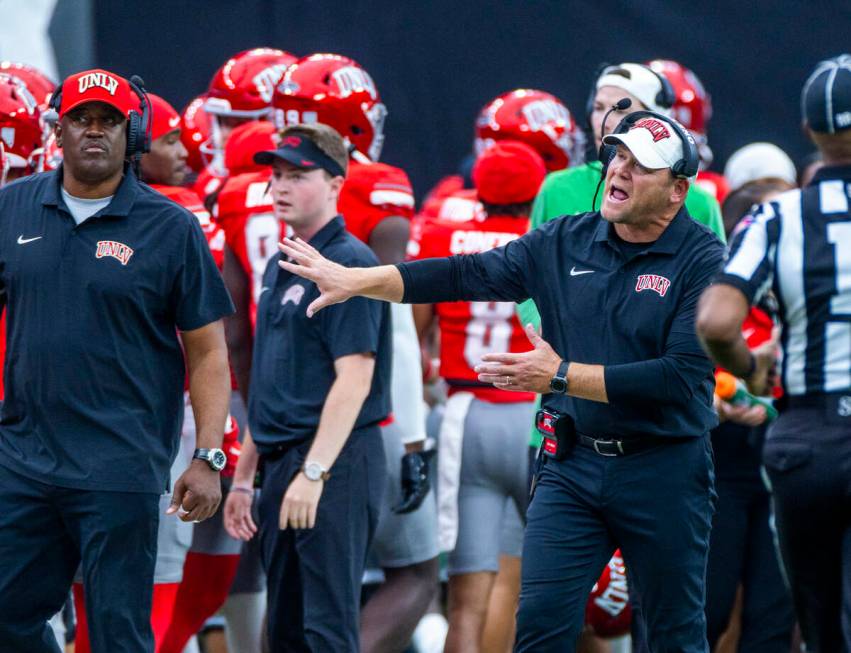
679	190
57	130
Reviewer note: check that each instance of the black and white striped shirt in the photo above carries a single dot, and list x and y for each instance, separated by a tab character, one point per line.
799	246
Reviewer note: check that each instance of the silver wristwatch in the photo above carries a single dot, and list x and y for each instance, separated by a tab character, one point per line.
315	471
216	458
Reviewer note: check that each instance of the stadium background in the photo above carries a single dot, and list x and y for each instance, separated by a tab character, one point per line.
437	62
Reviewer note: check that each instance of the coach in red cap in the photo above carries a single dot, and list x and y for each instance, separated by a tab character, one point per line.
100	273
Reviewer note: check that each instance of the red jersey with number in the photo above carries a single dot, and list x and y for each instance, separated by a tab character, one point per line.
371	193
251	229
468	330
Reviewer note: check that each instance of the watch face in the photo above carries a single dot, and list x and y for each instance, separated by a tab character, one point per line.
558	386
218	459
313	471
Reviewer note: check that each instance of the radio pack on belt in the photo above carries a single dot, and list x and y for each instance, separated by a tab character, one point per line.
559	433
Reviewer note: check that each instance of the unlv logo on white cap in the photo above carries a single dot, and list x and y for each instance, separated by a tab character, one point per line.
97	80
351	80
266	80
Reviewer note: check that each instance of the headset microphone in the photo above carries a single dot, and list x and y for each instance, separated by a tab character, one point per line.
621	105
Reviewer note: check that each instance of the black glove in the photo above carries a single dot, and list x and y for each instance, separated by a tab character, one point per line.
415	482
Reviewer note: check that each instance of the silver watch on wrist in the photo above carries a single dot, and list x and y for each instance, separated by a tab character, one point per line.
215	458
315	471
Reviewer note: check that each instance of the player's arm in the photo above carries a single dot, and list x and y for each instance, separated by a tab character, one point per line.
240	339
198	490
747	275
389	239
339	412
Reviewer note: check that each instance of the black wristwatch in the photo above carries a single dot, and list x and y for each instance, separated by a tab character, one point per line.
558	384
215	458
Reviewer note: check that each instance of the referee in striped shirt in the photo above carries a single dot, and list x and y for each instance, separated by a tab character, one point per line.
799	246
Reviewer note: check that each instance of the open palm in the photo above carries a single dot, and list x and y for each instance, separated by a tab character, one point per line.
308	263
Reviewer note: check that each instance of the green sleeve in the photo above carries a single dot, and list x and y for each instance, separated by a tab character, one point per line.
539	208
703	207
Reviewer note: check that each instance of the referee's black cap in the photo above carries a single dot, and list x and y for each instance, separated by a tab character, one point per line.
826	98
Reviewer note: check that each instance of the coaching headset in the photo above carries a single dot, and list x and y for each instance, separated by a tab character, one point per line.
684	168
139	126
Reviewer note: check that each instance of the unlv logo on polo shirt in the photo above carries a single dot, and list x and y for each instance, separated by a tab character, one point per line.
116	250
656	127
652	282
101	80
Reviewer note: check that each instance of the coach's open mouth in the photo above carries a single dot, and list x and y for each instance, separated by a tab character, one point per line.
618	194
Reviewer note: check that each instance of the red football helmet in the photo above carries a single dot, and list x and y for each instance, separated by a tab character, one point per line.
20	125
241	90
608	611
195	132
243	86
334	90
38	84
536	118
693	105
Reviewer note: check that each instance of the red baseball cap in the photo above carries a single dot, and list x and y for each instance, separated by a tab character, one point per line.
164	117
508	172
98	86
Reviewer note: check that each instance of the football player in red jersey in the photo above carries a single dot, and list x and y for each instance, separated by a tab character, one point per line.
240	91
484	436
195	131
693	109
530	116
377	204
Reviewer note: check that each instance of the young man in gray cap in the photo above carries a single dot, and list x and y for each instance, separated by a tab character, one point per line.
799	246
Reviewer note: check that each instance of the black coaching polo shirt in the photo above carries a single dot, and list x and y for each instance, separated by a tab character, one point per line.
293	362
94	369
606	304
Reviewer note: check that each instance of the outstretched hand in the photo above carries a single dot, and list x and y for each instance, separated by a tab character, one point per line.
306	262
530	371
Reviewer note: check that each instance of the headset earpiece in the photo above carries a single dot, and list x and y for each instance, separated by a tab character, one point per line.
139	125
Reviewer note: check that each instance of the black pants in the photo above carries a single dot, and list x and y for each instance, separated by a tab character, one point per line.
45	533
314	575
656	506
808	458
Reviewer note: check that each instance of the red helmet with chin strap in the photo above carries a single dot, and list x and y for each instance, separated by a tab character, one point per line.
20	125
536	118
334	90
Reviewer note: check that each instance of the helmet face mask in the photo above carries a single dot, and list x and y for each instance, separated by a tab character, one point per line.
536	118
335	91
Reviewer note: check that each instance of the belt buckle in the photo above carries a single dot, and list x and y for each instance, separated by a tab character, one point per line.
607	454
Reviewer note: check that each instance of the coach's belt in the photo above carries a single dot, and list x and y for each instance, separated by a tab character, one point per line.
609	447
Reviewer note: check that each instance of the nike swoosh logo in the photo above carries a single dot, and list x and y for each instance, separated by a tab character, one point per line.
575	273
24	241
264	289
747	333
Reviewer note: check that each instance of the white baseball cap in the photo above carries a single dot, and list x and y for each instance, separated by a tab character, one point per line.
652	141
637	79
758	161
